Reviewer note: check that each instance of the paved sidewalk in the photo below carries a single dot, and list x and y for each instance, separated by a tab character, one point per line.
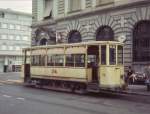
138	89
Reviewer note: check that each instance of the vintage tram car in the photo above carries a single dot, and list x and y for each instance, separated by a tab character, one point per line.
87	66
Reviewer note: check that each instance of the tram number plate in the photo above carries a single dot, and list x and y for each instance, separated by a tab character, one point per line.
54	71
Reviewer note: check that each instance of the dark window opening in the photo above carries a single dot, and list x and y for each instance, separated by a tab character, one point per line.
38	60
74	37
141	41
43	42
104	33
112	55
103	55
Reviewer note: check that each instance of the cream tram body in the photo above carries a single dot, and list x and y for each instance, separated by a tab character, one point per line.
98	62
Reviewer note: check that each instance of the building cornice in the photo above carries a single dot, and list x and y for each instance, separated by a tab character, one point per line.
91	11
43	23
111	7
15	12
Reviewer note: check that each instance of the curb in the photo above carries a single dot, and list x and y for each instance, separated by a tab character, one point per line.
135	93
12	82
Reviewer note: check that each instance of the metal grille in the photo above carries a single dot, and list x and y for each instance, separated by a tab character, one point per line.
141	42
104	33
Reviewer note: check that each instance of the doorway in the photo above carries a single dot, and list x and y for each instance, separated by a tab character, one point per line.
93	60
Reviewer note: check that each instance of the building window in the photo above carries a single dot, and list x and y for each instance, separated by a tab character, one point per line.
11	26
4	47
24	28
104	2
48	9
141	41
3	36
11	37
104	33
74	37
74	5
61	6
4	25
2	14
10	47
17	48
25	38
18	37
18	27
43	41
88	3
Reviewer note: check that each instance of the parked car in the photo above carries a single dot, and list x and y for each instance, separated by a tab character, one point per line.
137	78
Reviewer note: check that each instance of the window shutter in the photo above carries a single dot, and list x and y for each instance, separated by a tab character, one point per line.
48	8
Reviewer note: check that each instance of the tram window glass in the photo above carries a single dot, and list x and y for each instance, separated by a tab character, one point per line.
59	60
50	60
103	55
112	55
79	60
42	60
69	60
91	59
34	60
38	60
120	55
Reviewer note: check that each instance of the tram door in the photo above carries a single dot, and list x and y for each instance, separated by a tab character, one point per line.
26	67
93	60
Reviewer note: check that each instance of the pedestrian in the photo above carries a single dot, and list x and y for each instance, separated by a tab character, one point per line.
130	72
147	74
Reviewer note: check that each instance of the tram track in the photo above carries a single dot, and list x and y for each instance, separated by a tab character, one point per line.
125	95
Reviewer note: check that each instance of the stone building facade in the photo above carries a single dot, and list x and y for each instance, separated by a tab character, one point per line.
69	21
15	34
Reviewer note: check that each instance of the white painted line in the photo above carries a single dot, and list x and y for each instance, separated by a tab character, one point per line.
20	98
7	96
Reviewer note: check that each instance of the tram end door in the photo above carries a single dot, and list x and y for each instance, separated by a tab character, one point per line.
26	67
93	62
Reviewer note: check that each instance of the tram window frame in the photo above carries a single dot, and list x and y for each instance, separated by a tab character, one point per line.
112	55
73	62
54	60
38	60
50	60
91	59
79	60
69	63
120	55
103	55
59	60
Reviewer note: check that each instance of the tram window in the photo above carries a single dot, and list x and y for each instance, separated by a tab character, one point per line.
79	60
91	59
38	60
69	60
120	55
112	55
42	60
103	55
50	60
34	60
59	60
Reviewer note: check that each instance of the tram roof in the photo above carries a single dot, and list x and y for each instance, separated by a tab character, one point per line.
75	44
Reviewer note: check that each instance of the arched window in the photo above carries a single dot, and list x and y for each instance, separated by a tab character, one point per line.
104	33
74	37
141	41
43	41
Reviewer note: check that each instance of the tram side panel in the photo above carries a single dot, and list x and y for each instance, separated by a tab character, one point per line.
111	77
67	74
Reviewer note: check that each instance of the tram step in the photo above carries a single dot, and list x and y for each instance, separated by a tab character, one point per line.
93	87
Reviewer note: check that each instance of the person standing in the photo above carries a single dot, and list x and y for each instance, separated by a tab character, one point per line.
147	74
130	72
